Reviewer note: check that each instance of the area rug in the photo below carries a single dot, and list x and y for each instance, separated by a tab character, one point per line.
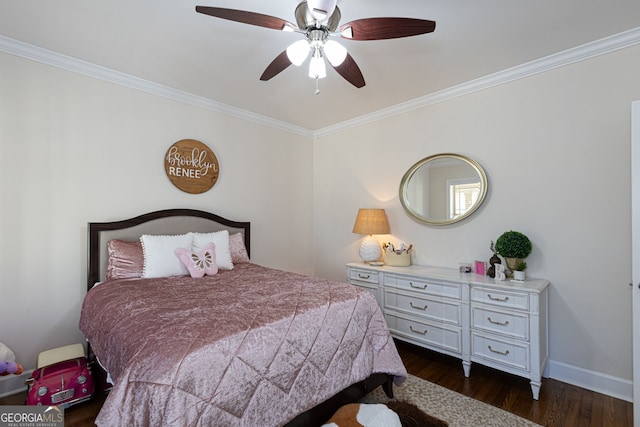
456	409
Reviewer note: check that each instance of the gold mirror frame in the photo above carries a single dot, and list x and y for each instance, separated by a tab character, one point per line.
433	160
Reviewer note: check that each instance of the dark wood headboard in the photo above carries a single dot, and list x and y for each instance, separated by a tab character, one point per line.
169	221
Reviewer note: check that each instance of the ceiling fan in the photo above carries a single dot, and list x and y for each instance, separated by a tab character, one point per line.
318	21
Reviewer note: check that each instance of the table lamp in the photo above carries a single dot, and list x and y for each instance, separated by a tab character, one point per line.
370	222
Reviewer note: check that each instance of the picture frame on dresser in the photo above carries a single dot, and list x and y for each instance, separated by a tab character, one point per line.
473	317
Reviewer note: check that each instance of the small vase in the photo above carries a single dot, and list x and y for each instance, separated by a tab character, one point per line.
495	259
518	275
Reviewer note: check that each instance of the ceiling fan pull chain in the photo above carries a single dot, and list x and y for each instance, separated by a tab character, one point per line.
317	91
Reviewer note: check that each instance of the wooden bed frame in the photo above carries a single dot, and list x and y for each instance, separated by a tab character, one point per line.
169	221
178	221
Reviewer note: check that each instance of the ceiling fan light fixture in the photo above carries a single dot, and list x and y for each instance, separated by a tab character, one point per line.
335	52
317	67
318	20
298	52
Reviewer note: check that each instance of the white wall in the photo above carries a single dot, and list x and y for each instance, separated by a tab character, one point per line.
556	149
75	149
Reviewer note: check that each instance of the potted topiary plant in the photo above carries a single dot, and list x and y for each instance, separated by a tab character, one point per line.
518	273
514	247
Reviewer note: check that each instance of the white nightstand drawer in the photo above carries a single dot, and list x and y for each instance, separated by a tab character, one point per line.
361	275
451	290
519	300
515	355
441	310
515	325
447	338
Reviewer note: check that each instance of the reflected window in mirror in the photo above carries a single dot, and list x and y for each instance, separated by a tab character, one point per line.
463	194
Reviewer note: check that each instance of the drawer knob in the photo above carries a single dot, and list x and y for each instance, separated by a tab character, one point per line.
416	286
418	332
363	276
503	353
418	307
498	299
496	322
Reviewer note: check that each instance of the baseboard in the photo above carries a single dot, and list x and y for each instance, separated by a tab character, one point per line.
12	384
590	380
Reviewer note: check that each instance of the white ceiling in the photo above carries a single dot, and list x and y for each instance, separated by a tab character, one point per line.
168	43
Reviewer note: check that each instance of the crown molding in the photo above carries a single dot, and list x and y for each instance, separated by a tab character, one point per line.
45	56
570	56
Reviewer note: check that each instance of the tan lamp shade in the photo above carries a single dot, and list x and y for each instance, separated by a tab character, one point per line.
371	221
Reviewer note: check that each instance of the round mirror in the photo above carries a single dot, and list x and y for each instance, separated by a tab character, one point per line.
443	189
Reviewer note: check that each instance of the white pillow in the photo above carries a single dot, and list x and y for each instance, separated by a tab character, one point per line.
221	240
160	259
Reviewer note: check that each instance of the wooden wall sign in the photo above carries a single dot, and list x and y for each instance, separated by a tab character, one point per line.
191	166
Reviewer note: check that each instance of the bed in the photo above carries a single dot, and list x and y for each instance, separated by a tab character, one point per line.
245	345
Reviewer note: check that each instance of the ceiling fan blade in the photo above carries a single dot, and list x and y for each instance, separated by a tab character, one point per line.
386	28
279	64
350	71
245	17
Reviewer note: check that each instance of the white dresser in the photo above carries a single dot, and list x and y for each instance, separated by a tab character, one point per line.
501	324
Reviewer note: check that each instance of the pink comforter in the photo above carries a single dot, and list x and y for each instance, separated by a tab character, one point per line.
249	347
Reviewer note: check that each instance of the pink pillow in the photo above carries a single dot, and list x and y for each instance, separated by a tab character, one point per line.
126	259
199	264
238	250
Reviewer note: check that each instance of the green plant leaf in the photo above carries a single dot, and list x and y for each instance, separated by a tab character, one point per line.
513	244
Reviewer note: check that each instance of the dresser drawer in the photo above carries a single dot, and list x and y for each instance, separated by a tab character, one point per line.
515	355
448	338
514	325
500	298
441	310
362	275
432	287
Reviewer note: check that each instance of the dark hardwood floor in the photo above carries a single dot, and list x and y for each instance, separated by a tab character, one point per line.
560	404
